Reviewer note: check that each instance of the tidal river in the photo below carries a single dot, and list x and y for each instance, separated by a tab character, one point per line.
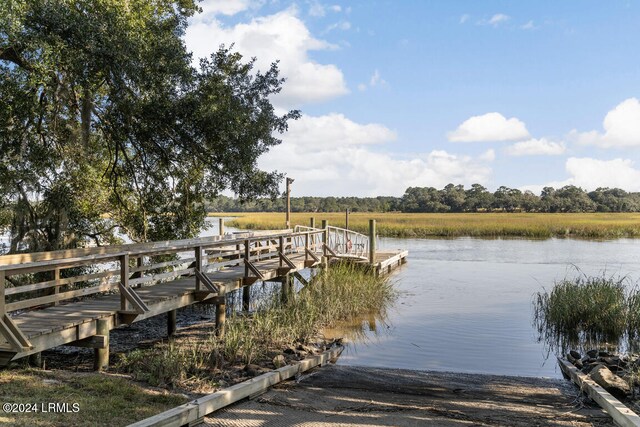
466	304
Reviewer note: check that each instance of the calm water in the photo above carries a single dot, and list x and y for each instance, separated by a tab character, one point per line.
466	303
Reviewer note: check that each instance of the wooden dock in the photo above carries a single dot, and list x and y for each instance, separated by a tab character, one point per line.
75	297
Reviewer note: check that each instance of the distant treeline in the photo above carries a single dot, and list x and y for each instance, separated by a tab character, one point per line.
452	198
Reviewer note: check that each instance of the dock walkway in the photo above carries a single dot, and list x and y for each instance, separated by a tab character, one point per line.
75	297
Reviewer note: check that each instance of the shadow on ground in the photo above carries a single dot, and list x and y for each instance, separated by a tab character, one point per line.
359	397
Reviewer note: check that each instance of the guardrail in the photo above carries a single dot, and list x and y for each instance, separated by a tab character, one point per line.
343	242
29	281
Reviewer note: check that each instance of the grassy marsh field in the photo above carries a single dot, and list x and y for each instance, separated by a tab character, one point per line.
529	225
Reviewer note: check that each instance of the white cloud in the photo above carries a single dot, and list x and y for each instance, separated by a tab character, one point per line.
332	155
362	87
621	127
312	134
489	127
534	147
528	26
342	25
488	156
495	20
223	7
316	9
335	8
464	18
282	36
376	80
498	18
590	174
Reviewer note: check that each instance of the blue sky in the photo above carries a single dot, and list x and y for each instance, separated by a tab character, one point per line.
423	93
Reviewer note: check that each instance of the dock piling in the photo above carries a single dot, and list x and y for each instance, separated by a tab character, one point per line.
101	355
171	323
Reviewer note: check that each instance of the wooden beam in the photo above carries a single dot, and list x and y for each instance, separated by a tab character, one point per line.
3	308
253	269
96	341
133	299
621	415
13	334
124	281
205	281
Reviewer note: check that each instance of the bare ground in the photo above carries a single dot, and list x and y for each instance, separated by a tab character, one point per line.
362	397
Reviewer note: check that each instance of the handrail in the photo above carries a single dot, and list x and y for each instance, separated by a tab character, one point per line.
123	267
344	242
105	253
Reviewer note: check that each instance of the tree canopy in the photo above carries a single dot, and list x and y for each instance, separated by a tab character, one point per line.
452	198
107	127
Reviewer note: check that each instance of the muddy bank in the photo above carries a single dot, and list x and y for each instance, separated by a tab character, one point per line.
355	396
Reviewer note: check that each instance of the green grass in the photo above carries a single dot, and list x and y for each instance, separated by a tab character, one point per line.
529	225
340	293
102	400
585	312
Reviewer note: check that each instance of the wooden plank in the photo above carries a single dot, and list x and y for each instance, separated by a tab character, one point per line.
33	302
621	415
161	276
161	265
60	282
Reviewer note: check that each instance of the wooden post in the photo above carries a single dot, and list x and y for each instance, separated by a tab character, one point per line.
325	236
281	248
124	280
246	298
138	274
221	313
247	257
312	222
198	265
289	182
35	359
372	241
346	218
171	323
287	288
306	246
2	303
221	226
101	355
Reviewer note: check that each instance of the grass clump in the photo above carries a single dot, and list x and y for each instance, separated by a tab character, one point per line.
580	312
340	293
170	365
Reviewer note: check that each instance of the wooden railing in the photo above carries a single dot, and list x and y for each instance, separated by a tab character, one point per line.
28	281
343	242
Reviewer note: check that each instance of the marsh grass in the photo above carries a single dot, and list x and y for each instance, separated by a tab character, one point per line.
528	225
342	293
587	312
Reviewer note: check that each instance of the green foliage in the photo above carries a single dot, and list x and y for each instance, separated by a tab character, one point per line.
452	198
105	124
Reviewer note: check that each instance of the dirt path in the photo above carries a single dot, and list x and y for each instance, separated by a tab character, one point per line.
351	396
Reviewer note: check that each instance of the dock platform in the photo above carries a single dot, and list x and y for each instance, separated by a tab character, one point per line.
75	297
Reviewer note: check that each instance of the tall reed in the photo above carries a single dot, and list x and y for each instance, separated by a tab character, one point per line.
582	312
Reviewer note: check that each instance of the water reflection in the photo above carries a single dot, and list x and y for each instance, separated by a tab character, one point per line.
466	304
